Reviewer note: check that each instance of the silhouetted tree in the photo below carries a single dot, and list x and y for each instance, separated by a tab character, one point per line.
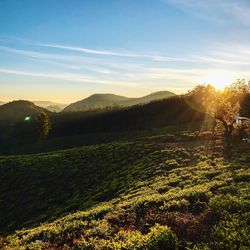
43	124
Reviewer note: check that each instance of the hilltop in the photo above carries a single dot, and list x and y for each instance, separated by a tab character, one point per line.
18	110
95	101
1	103
98	101
149	98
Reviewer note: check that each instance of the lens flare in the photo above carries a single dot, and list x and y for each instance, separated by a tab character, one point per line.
27	118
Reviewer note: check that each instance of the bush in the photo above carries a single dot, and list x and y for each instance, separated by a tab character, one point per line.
159	238
232	233
230	204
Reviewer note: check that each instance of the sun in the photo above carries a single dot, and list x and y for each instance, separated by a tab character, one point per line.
219	80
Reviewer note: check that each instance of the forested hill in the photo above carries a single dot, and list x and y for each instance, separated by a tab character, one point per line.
174	110
95	101
104	100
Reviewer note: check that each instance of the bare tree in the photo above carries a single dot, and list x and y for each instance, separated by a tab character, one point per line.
223	107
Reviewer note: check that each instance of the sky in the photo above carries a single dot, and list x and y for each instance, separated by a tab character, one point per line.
64	51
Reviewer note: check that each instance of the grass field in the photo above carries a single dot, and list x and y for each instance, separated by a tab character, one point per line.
126	195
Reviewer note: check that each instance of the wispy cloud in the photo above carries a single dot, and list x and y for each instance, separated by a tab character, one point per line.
38	55
235	54
75	62
155	57
216	55
221	54
106	66
89	51
222	11
222	60
68	77
109	67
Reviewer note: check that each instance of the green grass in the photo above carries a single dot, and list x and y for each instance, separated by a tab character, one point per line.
126	195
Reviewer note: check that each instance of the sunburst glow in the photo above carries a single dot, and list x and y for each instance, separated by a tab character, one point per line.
217	79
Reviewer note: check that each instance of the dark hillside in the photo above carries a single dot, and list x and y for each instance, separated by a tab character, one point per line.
106	125
16	111
149	98
96	101
174	110
64	181
99	101
177	111
18	124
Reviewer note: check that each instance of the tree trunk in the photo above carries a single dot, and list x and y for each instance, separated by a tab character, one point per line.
227	139
213	133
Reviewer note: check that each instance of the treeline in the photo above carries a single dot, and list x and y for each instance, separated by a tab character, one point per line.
177	110
172	111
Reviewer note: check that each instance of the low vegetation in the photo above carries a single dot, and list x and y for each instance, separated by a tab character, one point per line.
127	195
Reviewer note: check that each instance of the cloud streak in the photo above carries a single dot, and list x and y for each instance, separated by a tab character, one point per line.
221	11
68	77
218	55
74	62
115	53
129	69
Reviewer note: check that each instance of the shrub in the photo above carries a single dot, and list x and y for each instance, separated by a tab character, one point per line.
230	204
159	238
231	233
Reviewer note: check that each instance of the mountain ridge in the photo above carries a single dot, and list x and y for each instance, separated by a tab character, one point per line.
103	100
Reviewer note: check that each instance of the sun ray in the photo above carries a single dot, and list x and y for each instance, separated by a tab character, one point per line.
217	79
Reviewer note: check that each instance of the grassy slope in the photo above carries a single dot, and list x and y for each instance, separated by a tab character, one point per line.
135	195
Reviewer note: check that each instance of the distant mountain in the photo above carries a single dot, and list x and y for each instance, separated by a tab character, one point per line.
96	101
54	108
51	106
18	110
104	100
149	98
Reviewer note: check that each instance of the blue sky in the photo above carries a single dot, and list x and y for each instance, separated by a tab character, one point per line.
66	50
